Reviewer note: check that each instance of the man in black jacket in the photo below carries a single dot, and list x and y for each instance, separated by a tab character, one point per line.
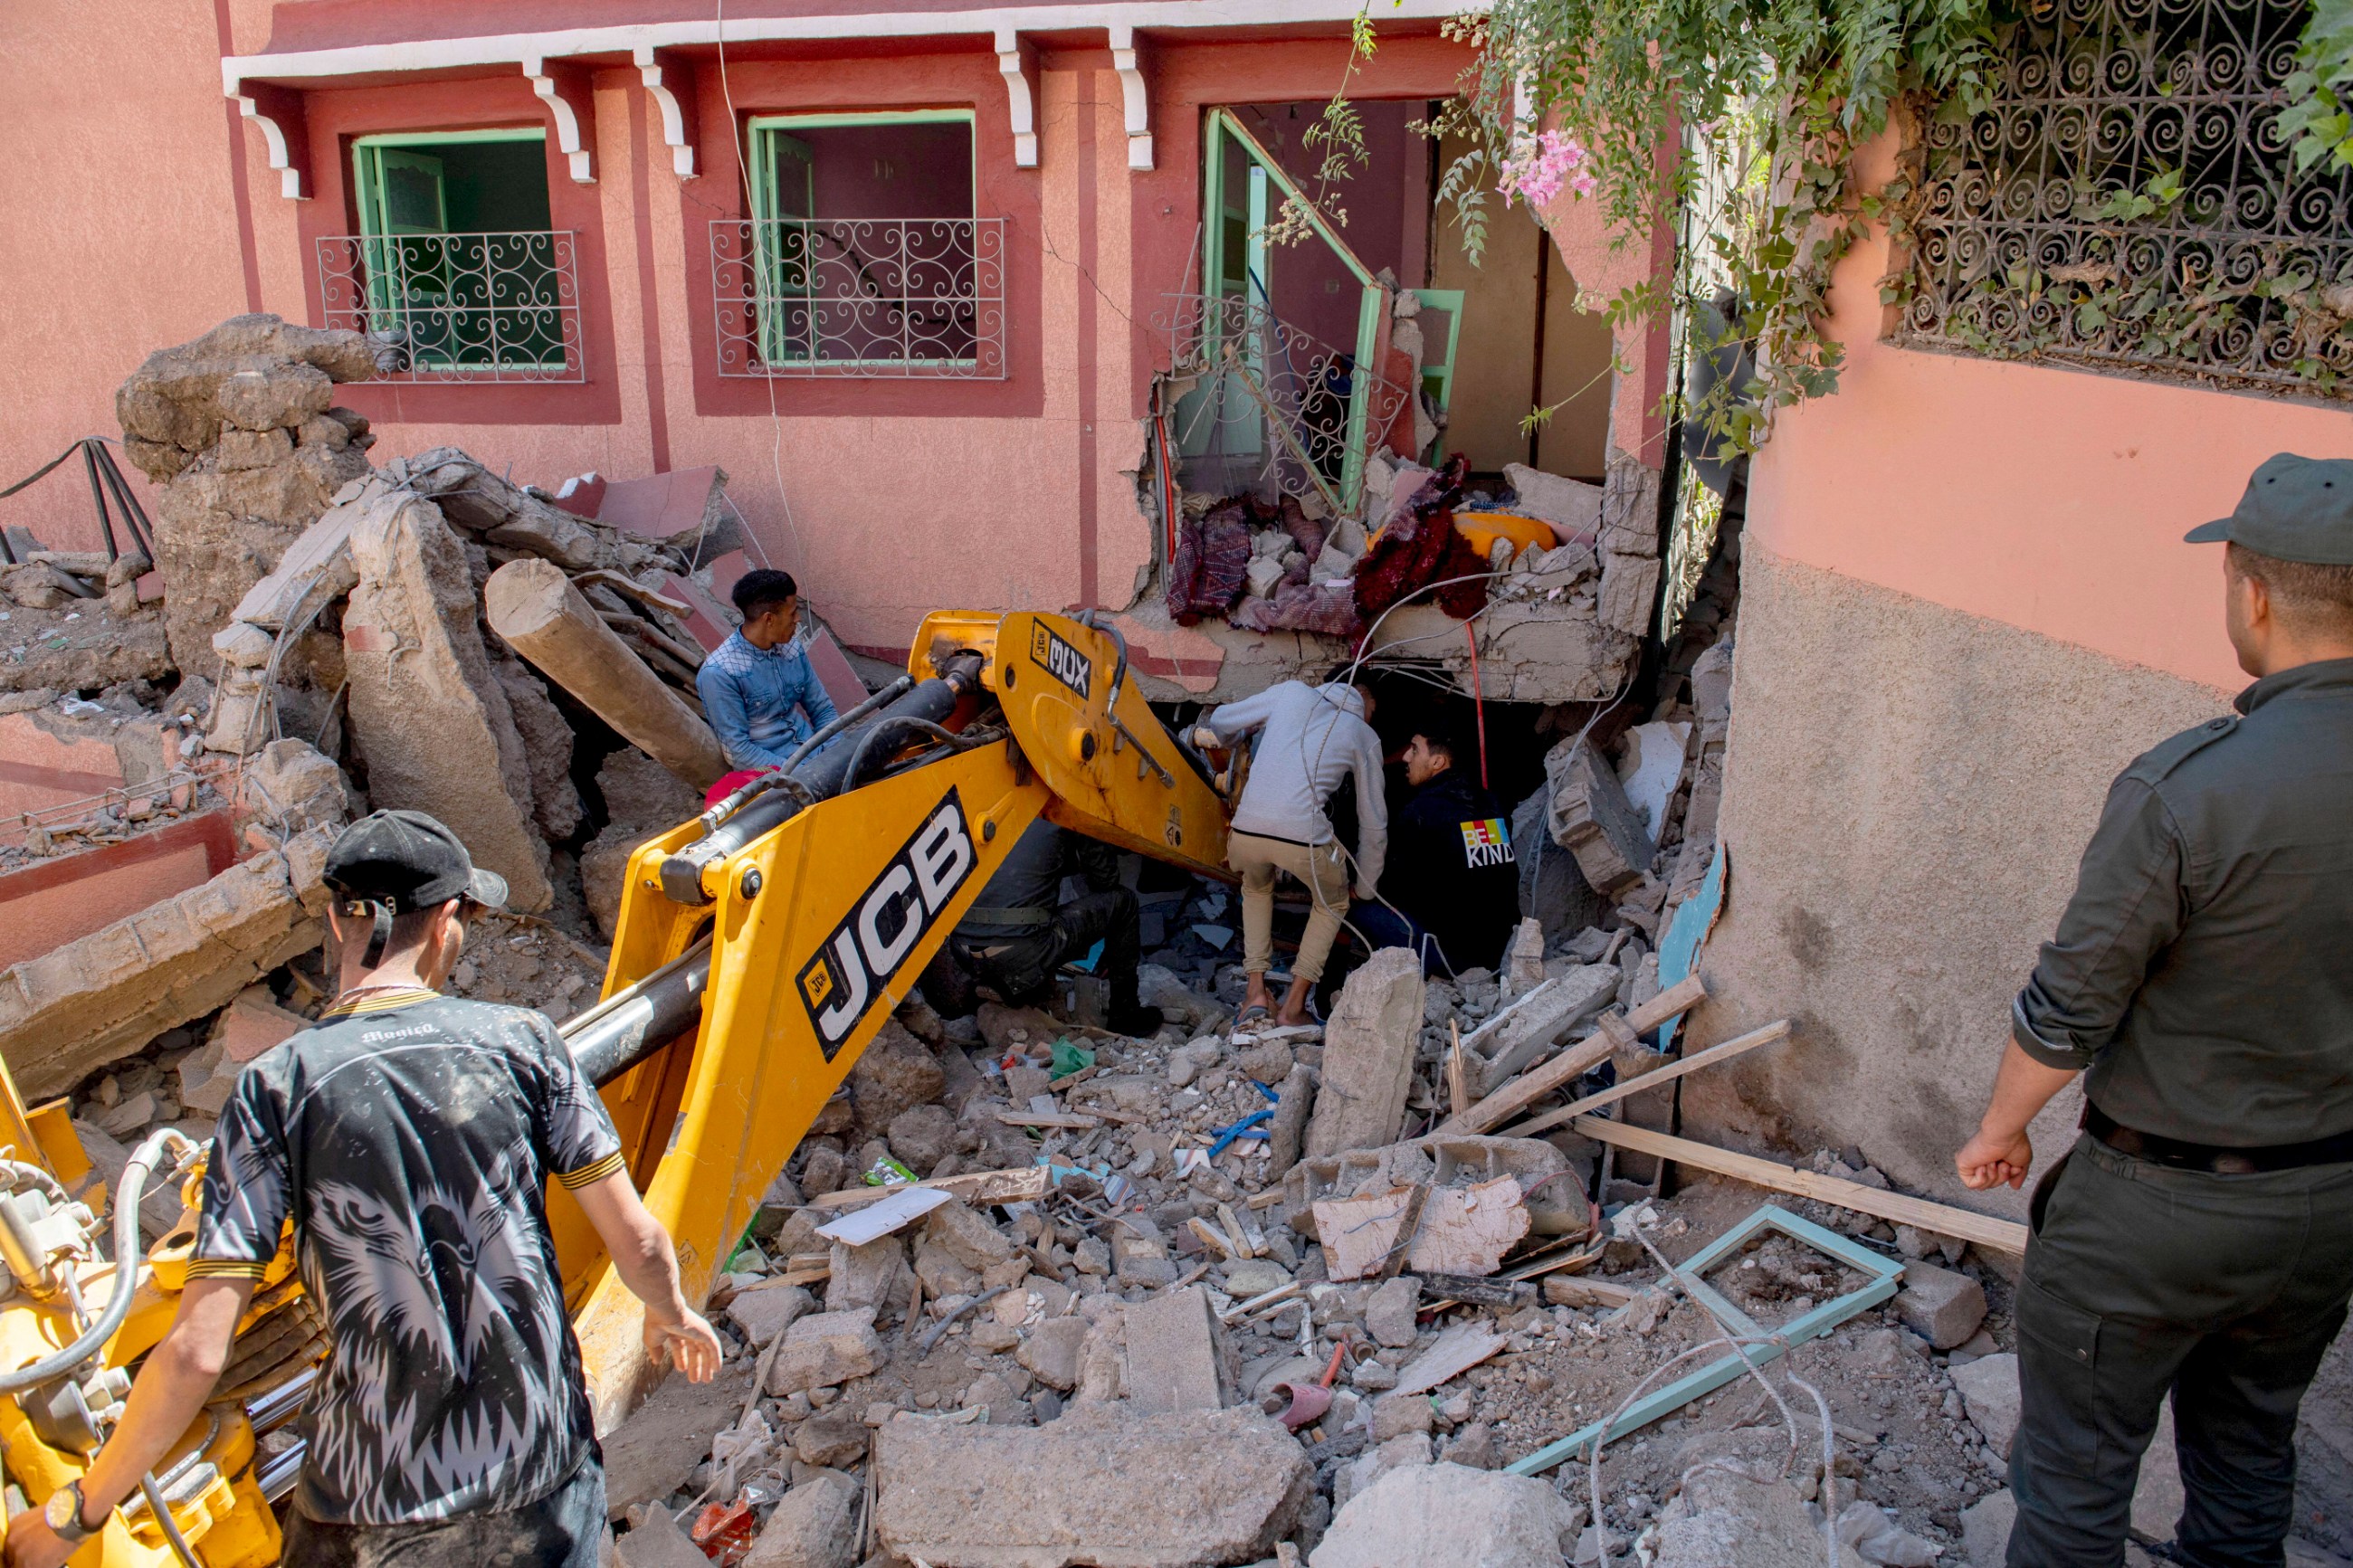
1450	888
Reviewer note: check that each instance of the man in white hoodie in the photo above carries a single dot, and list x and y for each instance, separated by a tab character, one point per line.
1309	739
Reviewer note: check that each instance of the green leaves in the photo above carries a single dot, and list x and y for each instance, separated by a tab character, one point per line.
2316	119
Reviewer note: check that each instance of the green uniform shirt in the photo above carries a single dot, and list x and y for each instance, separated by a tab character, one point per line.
2204	972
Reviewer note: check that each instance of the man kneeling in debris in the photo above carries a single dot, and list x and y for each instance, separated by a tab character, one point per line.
1020	932
2198	1238
758	691
410	1137
1309	739
1451	891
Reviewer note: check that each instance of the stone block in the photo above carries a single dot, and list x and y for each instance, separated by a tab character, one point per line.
1498	1049
1985	1529
1103	1484
1629	591
763	1312
252	1024
1175	1354
1450	1516
816	1526
895	1072
1053	1349
1388	1311
1939	1305
874	1275
1571	506
1989	1391
1368	1052
960	1230
826	1350
833	1439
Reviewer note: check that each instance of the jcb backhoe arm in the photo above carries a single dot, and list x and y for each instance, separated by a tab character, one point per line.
761	945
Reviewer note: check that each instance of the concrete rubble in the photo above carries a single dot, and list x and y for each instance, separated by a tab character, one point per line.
1203	1298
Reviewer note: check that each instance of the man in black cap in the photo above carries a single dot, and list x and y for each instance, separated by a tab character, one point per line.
409	1138
2198	1238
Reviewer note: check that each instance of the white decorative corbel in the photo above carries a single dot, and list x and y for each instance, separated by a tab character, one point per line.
277	113
565	91
1018	63
1138	101
670	82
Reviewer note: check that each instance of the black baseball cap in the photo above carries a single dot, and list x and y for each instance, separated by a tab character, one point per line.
2295	509
408	861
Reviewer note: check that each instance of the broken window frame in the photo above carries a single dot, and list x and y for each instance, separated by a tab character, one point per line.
776	274
1372	307
499	304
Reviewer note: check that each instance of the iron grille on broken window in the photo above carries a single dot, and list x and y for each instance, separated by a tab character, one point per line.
860	297
2126	201
457	307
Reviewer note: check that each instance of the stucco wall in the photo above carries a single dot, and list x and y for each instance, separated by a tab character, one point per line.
1907	794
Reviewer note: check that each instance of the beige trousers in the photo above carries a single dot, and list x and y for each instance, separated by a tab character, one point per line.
1322	870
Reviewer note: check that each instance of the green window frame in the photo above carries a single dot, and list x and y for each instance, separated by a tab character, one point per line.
463	302
784	243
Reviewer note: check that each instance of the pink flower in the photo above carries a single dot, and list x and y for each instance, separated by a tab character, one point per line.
1541	167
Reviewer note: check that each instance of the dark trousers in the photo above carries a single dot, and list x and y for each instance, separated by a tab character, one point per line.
1020	967
1385	927
565	1529
2141	1279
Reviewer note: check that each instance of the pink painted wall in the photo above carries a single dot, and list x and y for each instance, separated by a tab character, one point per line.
2049	498
888	499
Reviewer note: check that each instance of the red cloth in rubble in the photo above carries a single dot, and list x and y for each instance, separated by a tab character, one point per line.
1421	545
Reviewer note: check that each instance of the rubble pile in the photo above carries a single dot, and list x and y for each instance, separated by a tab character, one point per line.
311	643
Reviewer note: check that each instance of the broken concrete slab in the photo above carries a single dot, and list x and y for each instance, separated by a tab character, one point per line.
1104	1484
1593	820
1368	1052
252	1024
1052	1352
1455	1351
1499	1048
763	1312
1440	1159
99	998
1178	1359
1462	1231
648	1455
826	1349
425	709
1939	1305
1448	1515
1989	1391
816	1526
1571	506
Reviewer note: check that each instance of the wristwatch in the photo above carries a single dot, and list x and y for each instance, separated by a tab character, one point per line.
62	1514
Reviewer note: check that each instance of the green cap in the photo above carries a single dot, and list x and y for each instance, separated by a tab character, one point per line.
2295	509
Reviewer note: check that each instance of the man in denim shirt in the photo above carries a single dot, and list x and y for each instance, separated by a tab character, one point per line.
757	689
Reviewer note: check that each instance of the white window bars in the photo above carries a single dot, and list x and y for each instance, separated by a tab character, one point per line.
459	307
870	297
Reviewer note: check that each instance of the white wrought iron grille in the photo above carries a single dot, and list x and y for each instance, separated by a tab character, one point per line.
860	297
459	307
1272	410
2126	201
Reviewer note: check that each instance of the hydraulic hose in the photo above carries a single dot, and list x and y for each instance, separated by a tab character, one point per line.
127	1194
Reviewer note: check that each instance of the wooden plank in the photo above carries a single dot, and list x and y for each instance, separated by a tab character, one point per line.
1531	1086
2000	1235
1676	1000
1458	1086
1573	1291
1026	1184
1736	1046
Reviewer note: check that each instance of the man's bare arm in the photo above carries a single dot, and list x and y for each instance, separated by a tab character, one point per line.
2001	1150
647	1265
170	1393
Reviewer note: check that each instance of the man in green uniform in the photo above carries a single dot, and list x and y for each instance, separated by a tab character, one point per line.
2198	1238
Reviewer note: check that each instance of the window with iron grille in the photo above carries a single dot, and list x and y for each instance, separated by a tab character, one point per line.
863	255
2126	201
455	274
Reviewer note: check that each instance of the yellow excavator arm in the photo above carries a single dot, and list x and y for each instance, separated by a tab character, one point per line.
759	949
762	945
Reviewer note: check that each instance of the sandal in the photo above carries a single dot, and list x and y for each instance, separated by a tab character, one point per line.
1247	1024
